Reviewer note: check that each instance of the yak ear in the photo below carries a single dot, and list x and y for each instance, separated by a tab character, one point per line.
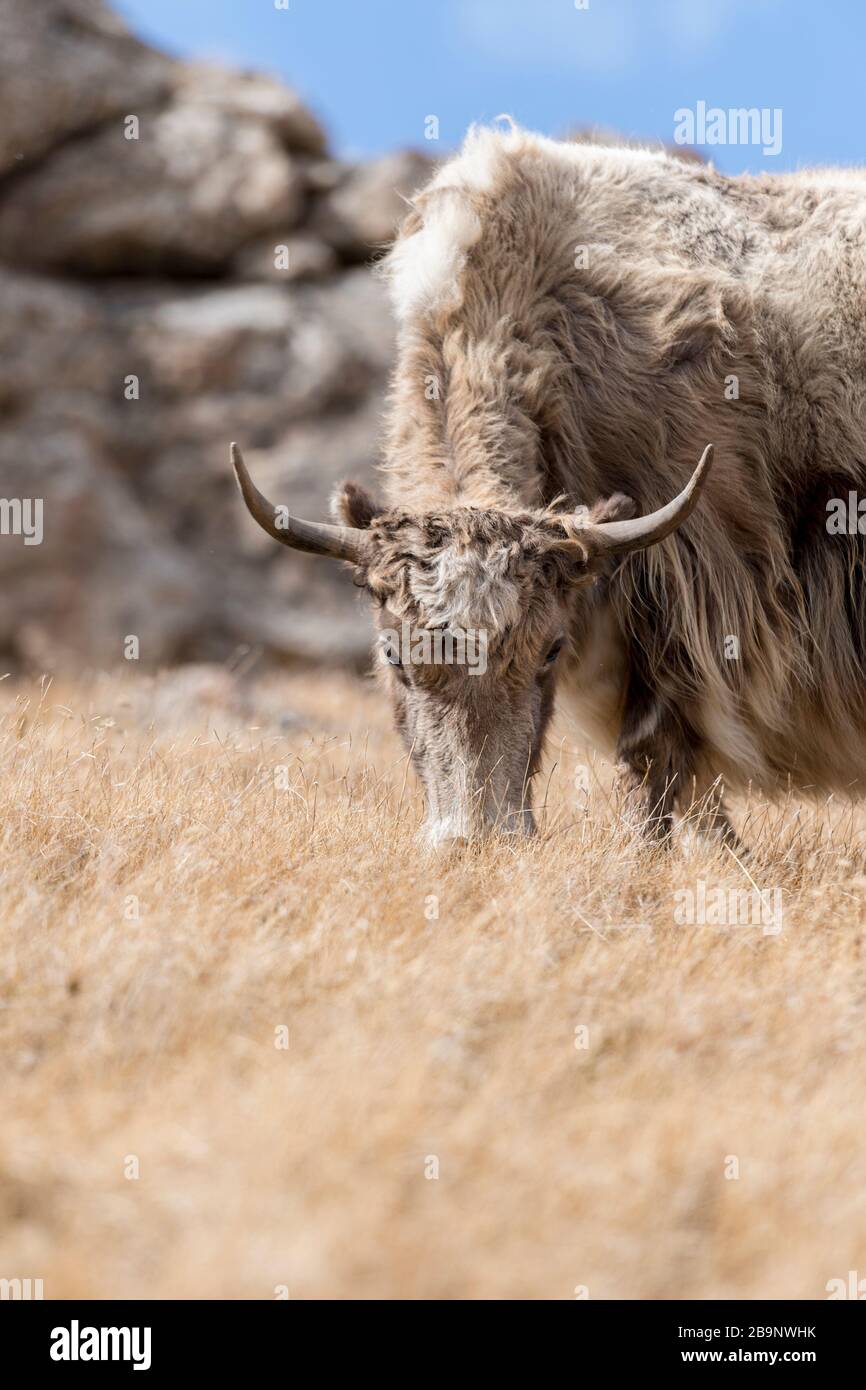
615	508
352	505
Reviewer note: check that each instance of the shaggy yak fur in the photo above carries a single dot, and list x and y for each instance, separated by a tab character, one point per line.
576	323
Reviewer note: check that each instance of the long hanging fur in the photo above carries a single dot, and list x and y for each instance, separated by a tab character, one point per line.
580	320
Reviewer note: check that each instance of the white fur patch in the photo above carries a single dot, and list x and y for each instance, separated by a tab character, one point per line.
424	269
475	168
469	590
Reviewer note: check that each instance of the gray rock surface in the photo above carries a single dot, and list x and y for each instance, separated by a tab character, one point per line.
210	280
66	66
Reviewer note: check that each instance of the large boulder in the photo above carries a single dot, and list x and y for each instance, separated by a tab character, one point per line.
105	569
67	66
118	407
253	96
159	297
357	215
192	187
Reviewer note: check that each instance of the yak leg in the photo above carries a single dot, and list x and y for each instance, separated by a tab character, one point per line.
651	793
708	815
658	751
651	752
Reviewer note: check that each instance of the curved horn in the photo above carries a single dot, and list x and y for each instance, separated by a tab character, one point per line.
316	537
640	531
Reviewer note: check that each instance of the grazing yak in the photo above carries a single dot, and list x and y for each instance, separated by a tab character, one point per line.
577	324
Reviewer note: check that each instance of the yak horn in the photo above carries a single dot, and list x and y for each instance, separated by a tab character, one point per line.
617	536
316	537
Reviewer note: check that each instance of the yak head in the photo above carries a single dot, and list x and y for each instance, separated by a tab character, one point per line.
473	610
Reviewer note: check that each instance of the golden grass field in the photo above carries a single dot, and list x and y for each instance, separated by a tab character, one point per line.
266	830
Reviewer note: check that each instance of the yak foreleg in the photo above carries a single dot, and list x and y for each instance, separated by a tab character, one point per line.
650	798
707	815
656	753
651	763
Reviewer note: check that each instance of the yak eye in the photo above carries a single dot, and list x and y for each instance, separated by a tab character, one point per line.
389	646
554	651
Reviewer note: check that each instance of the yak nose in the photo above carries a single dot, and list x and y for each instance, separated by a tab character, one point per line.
450	844
456	834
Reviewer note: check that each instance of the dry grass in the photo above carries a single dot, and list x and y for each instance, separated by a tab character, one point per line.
409	1036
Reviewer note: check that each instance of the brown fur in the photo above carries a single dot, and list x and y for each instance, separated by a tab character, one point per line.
522	379
475	739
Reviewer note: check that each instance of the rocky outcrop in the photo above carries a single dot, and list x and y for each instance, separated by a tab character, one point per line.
66	67
181	263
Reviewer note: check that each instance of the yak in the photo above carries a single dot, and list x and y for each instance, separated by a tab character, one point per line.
577	324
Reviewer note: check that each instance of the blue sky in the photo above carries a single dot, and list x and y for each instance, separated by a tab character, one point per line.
374	70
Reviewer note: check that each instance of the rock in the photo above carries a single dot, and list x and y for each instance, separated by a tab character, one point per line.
104	570
323	175
144	532
306	464
285	258
360	214
309	606
254	96
65	67
144	323
40	321
258	356
195	185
